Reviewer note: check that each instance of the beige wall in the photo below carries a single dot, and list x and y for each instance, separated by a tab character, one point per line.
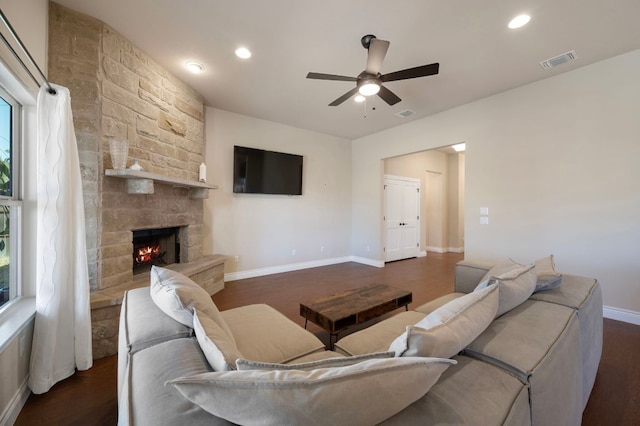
455	201
263	230
29	20
555	162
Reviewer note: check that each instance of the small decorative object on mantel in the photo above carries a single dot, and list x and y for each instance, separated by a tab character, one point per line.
135	165
203	172
119	150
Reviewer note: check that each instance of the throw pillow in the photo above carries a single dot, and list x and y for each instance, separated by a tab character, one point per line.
365	393
547	277
514	287
450	328
500	268
177	296
220	351
343	361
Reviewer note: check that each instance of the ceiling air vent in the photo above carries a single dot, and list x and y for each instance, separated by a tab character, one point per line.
404	114
557	60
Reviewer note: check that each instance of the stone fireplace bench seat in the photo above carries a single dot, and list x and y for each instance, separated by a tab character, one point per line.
208	272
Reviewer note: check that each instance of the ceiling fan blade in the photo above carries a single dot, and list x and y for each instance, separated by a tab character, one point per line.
344	97
320	76
388	96
421	71
377	51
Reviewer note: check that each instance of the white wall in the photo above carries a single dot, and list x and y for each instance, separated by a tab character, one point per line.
263	230
555	161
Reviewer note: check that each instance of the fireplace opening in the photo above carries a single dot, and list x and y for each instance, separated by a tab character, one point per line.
155	247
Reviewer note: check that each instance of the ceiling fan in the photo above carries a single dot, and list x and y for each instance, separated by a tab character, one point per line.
369	82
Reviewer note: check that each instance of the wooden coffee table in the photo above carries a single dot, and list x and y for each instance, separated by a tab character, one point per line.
348	308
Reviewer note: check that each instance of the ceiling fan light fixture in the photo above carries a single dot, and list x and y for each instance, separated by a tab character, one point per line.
359	98
369	88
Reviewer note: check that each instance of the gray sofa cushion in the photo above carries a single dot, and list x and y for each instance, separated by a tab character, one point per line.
447	330
539	343
470	393
143	324
431	306
379	336
264	334
468	275
364	393
147	401
584	295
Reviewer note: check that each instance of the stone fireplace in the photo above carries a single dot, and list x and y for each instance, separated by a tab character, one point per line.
117	91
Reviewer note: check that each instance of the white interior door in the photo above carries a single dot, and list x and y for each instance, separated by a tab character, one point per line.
401	217
392	218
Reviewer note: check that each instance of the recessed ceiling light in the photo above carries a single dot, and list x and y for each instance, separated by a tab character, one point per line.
194	67
359	98
243	52
519	21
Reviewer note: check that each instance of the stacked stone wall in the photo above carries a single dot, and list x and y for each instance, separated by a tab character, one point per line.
118	92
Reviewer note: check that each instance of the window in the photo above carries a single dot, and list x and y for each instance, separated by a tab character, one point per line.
10	112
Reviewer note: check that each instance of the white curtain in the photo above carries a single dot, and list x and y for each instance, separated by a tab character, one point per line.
62	335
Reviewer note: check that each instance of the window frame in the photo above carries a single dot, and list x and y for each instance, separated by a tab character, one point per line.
14	201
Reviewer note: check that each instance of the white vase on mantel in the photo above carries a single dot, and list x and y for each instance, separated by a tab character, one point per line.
135	166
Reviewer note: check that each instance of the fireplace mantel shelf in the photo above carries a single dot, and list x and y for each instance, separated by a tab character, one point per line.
141	182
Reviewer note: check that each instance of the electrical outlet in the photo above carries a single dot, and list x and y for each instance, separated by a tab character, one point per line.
236	258
293	252
322	249
368	248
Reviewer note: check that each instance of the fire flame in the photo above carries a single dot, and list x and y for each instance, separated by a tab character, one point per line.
147	254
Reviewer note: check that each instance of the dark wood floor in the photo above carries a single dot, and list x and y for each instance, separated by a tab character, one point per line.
89	397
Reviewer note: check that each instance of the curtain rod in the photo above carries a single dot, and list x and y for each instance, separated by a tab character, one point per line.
7	24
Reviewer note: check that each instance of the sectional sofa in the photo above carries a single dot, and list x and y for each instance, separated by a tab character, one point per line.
535	363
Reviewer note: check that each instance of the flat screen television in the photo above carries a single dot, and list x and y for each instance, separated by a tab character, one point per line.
256	171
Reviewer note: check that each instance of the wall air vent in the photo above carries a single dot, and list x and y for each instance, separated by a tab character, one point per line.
404	114
557	60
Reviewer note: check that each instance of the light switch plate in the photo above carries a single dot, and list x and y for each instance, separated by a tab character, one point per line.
484	220
484	211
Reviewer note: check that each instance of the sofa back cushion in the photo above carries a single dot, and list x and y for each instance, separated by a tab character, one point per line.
515	283
365	393
547	276
177	296
221	351
449	329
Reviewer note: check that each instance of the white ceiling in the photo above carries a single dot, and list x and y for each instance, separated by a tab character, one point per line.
478	55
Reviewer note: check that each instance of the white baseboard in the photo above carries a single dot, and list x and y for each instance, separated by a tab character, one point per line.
623	315
252	273
367	261
10	414
445	249
422	254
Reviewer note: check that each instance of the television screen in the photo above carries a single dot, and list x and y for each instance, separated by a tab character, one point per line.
256	171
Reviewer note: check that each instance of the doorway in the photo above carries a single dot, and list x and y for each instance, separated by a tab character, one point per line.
441	173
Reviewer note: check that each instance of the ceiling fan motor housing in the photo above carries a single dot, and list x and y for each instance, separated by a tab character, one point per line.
366	40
